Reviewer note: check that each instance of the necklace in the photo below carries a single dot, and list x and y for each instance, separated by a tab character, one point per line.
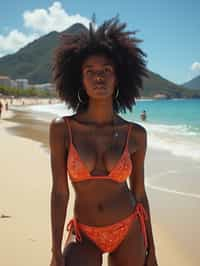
115	133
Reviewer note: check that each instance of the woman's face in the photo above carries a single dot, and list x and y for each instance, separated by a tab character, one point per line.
98	77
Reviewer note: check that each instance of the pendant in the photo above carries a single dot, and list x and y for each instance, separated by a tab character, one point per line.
116	134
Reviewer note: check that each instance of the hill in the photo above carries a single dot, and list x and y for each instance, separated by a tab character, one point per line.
34	61
156	84
193	84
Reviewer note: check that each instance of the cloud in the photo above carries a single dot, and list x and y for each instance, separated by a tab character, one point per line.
194	71
39	22
14	40
55	18
195	67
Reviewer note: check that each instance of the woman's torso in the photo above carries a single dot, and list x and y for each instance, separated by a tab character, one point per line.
103	201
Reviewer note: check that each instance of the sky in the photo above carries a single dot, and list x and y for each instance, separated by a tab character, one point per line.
170	29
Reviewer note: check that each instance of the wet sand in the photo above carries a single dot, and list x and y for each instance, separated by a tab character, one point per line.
172	185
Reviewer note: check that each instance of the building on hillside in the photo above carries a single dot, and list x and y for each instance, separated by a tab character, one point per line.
43	86
161	96
5	81
13	83
22	83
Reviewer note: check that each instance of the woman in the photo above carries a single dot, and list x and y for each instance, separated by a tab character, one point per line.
98	73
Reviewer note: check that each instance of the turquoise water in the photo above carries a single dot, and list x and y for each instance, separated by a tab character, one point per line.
172	125
170	112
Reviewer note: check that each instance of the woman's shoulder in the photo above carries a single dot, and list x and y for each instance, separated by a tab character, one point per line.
138	134
60	122
138	129
135	127
59	128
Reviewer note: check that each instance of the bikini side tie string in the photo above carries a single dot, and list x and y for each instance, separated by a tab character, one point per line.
74	225
143	216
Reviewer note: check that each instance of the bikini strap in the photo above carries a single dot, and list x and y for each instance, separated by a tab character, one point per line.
66	119
128	134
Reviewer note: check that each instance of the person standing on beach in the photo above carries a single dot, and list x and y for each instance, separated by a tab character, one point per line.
98	74
6	106
1	108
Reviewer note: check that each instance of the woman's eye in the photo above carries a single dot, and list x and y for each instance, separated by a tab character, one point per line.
88	72
108	70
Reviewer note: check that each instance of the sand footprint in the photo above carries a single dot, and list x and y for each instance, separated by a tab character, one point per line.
31	239
5	216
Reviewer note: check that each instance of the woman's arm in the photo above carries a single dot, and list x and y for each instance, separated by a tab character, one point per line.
137	186
60	191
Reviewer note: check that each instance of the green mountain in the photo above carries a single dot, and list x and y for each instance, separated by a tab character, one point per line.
156	84
193	84
34	62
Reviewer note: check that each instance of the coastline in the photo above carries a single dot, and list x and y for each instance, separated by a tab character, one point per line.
175	217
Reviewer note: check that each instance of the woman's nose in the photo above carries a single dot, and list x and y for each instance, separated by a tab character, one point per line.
99	76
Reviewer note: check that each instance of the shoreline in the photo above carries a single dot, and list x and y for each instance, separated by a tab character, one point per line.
174	225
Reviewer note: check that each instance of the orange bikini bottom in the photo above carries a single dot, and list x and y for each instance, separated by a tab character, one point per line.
108	238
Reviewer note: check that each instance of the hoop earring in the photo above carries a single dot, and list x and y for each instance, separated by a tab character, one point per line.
79	98
77	106
117	93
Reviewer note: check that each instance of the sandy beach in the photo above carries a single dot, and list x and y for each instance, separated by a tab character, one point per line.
172	184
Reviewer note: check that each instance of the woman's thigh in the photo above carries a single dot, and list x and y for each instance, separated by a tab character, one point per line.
83	253
131	251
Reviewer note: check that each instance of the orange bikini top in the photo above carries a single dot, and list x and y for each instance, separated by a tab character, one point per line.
79	172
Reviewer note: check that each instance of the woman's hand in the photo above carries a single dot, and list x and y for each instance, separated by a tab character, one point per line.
151	259
57	260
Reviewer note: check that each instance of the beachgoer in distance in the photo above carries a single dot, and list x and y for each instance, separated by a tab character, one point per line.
143	115
98	73
1	108
6	106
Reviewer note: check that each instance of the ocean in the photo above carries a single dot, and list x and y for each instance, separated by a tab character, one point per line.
172	125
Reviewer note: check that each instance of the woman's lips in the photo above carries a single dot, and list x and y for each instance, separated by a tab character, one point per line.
100	88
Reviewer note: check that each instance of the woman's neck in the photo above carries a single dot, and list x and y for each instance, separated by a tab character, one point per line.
100	112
